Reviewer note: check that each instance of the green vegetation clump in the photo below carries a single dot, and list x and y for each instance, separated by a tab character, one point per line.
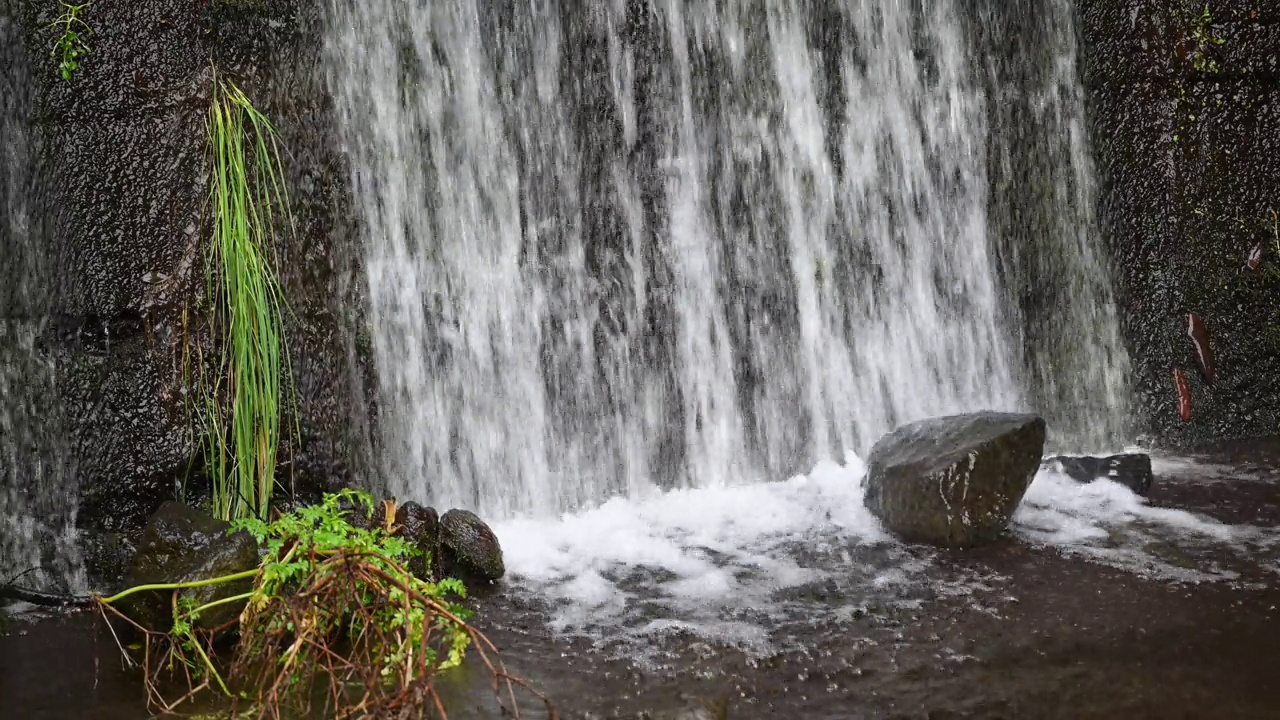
70	45
334	615
1205	39
243	401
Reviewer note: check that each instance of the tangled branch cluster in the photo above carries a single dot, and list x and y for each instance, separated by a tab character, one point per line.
334	619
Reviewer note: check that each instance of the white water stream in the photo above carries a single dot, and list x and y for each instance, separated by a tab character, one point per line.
739	565
634	246
629	261
37	487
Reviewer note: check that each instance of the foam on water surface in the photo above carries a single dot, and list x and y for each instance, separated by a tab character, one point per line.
1106	522
739	563
708	559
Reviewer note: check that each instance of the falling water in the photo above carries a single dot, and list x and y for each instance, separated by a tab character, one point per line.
623	246
1043	223
37	494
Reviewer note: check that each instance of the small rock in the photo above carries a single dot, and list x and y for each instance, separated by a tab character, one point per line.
468	547
417	524
420	526
180	544
954	481
1133	470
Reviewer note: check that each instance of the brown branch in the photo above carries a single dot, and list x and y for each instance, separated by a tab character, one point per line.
285	663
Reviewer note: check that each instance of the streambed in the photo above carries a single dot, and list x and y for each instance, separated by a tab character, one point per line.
1164	615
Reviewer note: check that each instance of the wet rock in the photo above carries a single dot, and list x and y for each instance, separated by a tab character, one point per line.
1163	188
1133	470
468	548
180	544
954	481
357	517
106	556
421	526
413	522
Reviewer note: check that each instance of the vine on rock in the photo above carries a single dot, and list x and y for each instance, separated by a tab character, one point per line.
1199	43
70	45
1205	38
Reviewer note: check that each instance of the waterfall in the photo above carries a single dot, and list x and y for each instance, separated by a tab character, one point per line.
37	488
631	245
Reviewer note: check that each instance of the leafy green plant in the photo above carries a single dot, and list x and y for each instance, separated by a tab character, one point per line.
1205	39
70	45
249	204
1202	39
333	605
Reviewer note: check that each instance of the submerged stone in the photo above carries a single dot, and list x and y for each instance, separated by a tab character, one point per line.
181	544
954	481
1133	470
468	547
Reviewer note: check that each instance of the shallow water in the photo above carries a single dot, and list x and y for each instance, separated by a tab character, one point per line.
786	598
734	564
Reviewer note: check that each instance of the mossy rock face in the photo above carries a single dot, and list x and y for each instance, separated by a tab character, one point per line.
181	544
954	481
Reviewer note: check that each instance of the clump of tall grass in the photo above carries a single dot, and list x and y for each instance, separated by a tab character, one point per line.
243	401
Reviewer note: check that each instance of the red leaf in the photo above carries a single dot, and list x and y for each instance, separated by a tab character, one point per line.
1184	394
1200	343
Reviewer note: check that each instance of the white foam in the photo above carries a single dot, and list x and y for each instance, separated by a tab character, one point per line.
734	563
708	560
1107	522
1171	466
1059	510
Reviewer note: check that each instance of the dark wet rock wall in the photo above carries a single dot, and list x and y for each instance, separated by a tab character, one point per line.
1187	139
122	187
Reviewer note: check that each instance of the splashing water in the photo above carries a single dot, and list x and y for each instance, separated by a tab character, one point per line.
37	489
744	565
650	245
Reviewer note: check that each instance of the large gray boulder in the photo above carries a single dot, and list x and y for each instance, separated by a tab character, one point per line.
954	481
181	544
